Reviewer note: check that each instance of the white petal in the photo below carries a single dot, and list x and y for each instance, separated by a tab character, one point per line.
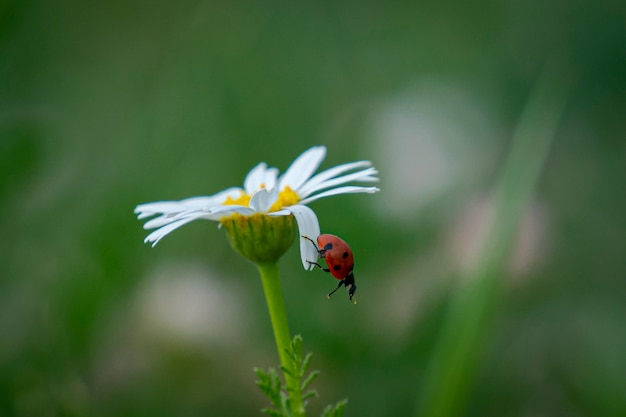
307	226
204	213
166	218
340	190
160	221
158	207
302	168
283	212
173	211
330	173
253	179
172	207
158	234
269	180
221	211
263	199
367	175
216	214
260	177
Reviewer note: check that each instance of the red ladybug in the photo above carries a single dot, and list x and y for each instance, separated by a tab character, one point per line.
339	258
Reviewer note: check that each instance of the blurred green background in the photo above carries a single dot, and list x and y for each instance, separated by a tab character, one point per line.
104	105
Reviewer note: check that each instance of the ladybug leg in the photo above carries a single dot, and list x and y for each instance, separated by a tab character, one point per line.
311	240
319	266
348	282
342	282
320	252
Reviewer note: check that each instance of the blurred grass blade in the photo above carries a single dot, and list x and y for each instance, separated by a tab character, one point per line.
450	373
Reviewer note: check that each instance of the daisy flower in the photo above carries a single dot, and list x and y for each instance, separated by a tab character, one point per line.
266	193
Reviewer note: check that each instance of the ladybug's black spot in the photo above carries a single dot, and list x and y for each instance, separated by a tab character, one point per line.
337	267
328	246
345	255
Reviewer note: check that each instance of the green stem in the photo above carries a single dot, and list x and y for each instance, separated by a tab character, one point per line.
274	296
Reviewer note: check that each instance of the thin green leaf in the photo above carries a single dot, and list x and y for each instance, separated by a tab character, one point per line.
269	383
336	411
272	412
290	352
296	346
309	394
287	371
306	363
309	379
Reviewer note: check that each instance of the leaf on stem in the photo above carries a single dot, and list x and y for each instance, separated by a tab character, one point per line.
336	411
282	396
309	379
270	385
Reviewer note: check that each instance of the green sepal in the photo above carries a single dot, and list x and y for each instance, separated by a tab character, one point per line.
259	237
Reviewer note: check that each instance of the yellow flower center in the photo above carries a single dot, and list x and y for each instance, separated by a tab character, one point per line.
287	197
242	200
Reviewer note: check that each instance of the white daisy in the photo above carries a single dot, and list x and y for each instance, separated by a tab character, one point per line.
266	193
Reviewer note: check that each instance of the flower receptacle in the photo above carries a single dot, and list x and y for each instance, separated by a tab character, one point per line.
259	237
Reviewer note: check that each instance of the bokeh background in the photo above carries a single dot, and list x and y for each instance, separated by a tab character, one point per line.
107	104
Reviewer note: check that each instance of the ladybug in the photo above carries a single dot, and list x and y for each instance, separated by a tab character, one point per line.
339	258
